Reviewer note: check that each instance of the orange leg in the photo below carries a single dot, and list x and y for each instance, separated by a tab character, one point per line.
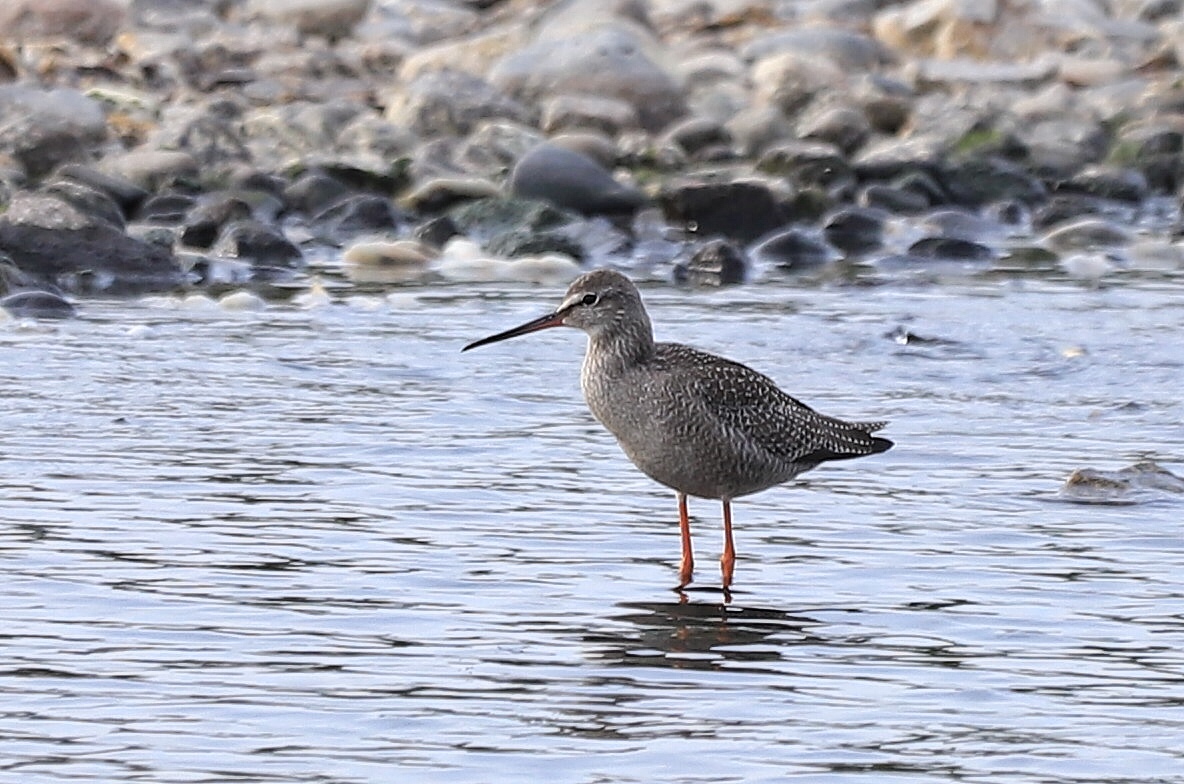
687	566
727	561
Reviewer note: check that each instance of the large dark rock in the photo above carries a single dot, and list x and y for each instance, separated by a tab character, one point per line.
571	180
55	242
741	210
978	181
855	230
23	296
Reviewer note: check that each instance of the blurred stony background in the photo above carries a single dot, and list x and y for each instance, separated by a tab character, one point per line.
163	144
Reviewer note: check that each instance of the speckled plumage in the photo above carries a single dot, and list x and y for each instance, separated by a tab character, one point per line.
700	424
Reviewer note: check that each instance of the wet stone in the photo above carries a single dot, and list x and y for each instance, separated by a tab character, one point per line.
483	218
695	134
1064	207
571	180
127	194
43	129
56	242
740	210
1088	233
900	201
808	164
314	191
359	213
793	250
609	61
581	112
258	244
959	224
1118	184
979	181
950	249
452	103
436	231
37	305
855	230
525	242
93	202
205	221
167	208
716	262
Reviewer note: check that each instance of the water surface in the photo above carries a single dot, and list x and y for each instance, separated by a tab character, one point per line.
322	545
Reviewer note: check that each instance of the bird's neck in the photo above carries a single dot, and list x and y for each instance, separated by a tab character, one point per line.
613	351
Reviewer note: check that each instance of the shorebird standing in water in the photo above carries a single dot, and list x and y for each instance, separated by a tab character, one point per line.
698	423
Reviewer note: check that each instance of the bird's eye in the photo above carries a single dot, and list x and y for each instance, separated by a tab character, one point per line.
589	299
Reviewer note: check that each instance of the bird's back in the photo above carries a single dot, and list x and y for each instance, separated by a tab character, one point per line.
712	427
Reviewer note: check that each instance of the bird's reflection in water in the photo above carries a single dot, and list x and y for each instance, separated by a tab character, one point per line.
700	635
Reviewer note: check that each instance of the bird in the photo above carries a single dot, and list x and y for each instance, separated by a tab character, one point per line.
700	424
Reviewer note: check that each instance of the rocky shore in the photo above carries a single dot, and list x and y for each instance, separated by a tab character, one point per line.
164	145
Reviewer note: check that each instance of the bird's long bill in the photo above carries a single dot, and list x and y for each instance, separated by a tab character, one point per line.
543	322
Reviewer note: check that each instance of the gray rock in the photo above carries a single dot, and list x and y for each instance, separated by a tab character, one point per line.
43	129
91	201
743	210
717	262
152	170
976	181
313	191
1142	482
331	19
55	242
123	192
517	227
588	112
1088	234
959	224
855	230
440	193
571	180
695	134
525	242
168	209
486	218
23	296
609	61
843	126
893	198
204	223
85	21
37	304
950	249
808	164
492	149
1063	208
358	213
1109	182
452	103
1157	149
793	250
265	248
850	51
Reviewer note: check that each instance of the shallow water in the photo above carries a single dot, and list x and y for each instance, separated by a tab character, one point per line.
324	546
